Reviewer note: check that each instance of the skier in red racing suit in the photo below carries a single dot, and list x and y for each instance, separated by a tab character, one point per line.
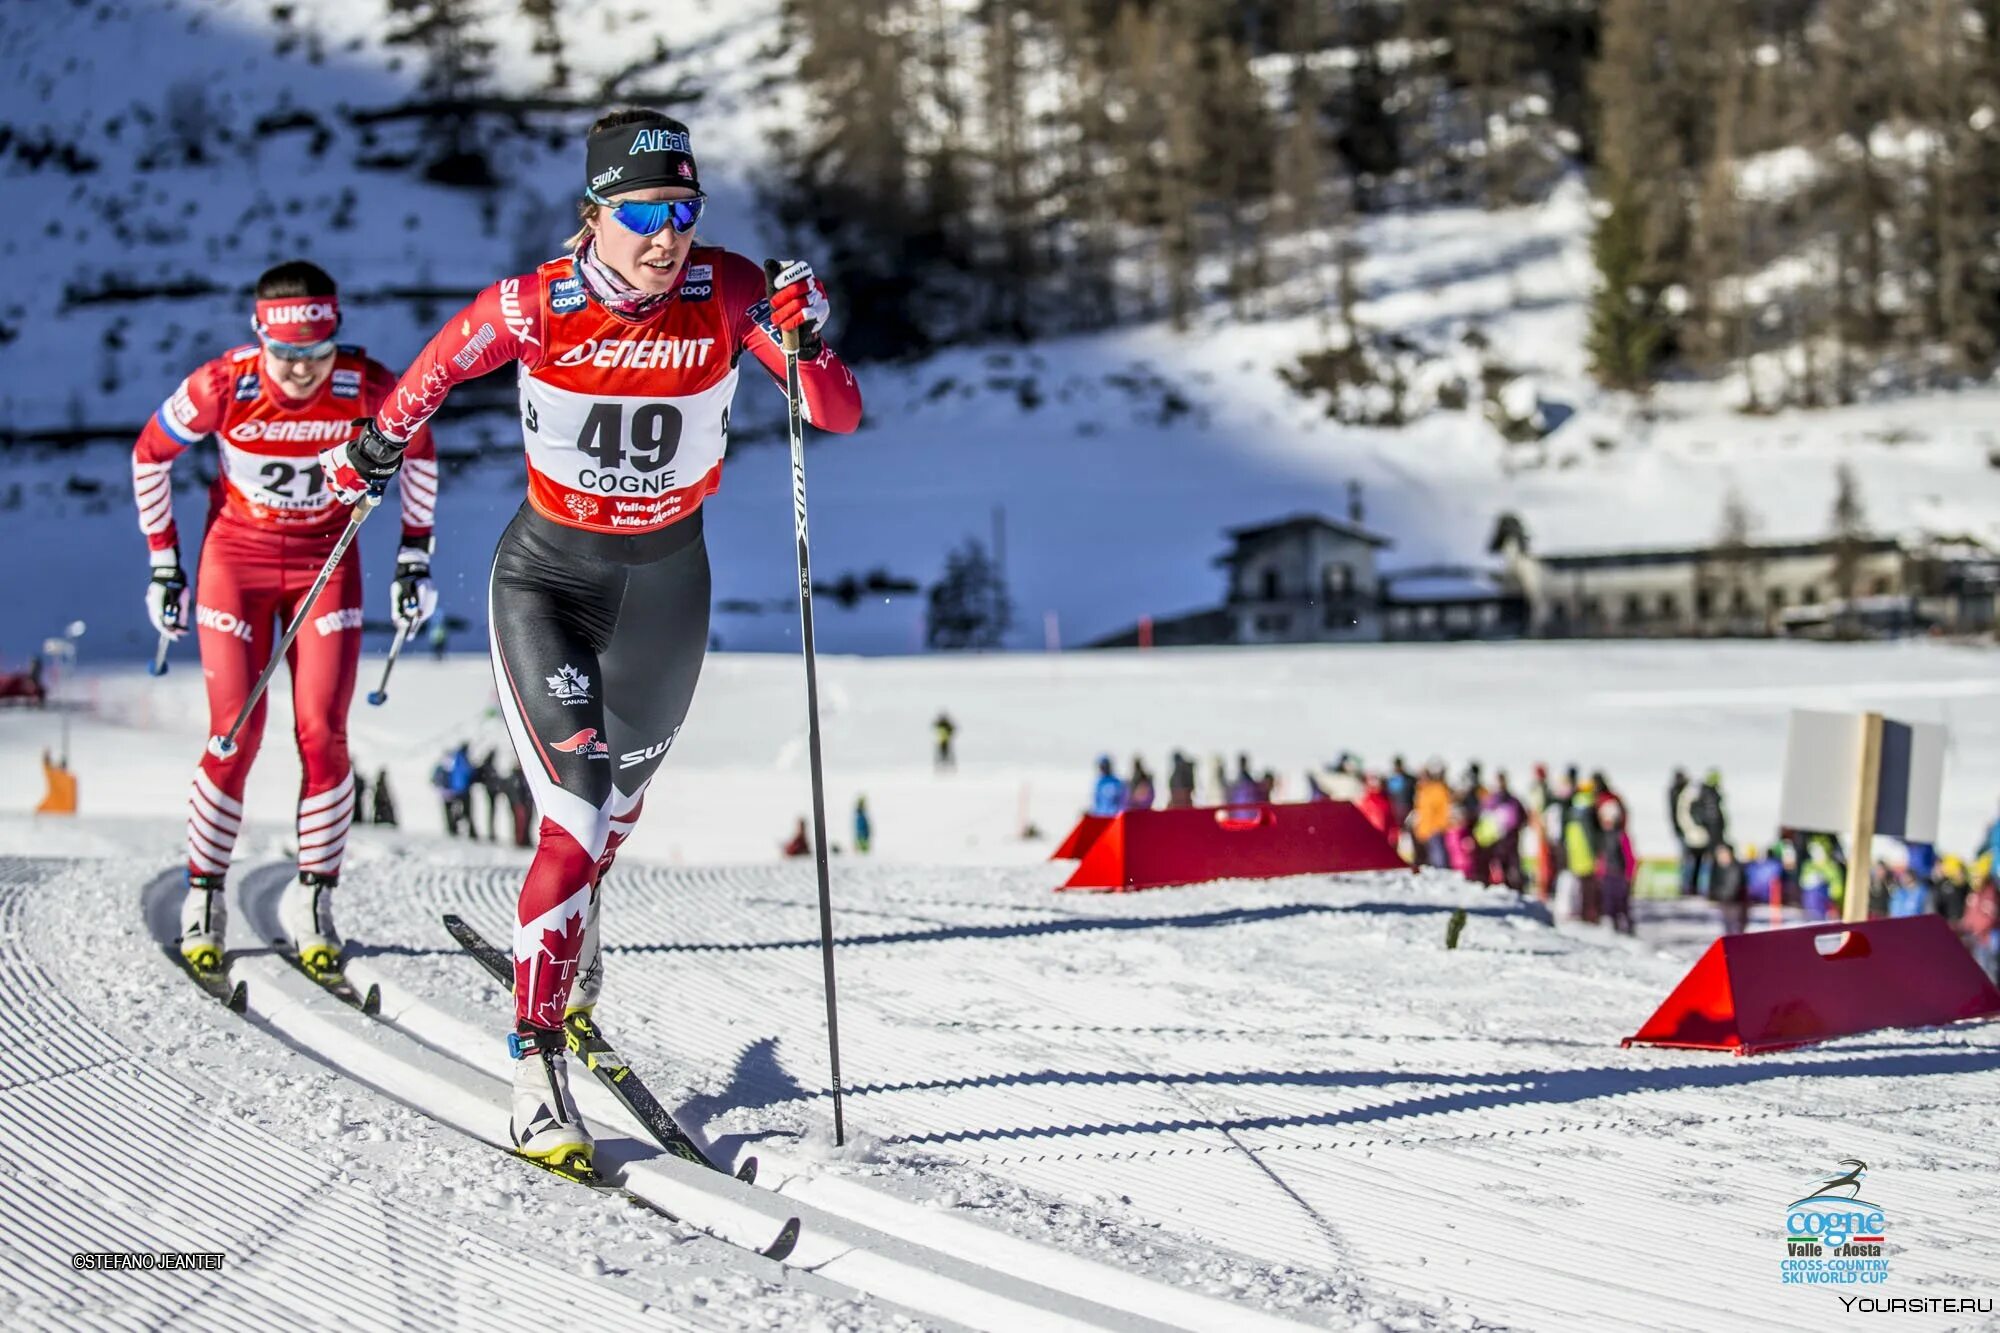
598	603
273	406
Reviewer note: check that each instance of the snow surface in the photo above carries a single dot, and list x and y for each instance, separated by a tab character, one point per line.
1032	725
1285	1097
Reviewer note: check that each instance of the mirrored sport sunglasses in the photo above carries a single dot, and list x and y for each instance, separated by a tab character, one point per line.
299	351
650	217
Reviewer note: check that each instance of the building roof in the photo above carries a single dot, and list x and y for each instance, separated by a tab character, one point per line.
1441	584
1260	533
1694	555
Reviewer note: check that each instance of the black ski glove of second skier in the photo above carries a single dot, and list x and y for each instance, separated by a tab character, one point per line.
363	464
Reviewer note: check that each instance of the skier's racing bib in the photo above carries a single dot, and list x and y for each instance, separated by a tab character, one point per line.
626	423
622	464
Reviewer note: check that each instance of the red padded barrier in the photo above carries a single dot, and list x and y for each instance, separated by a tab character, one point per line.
1776	989
1144	849
1087	831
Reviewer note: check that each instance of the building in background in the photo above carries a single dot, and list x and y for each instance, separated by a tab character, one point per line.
1311	579
1303	579
1855	587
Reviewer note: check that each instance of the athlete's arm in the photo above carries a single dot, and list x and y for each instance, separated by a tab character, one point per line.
832	400
502	325
418	489
193	410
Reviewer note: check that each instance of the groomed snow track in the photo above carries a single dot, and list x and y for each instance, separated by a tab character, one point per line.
115	1144
1213	1108
117	1151
1293	1072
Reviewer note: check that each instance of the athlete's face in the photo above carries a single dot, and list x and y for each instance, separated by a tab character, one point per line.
650	263
298	379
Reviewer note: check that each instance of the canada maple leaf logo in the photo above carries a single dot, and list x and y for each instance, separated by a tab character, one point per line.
569	683
564	944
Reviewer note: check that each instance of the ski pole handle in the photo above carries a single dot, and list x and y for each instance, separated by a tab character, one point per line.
158	666
380	694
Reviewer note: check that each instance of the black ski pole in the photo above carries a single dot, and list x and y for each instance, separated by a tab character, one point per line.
158	666
794	399
380	694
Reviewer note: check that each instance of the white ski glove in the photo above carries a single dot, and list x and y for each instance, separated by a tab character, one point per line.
414	597
167	596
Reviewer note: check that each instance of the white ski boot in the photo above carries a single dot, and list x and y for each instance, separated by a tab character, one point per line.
305	914
204	916
545	1127
589	983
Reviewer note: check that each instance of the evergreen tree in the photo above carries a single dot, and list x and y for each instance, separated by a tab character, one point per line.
969	606
1850	535
1627	324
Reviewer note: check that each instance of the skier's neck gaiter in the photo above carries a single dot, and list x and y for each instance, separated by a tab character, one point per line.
609	289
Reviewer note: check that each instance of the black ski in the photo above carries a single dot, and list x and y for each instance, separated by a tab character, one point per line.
588	1043
233	997
334	982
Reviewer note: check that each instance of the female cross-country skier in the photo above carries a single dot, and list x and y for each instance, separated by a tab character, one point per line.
598	599
273	406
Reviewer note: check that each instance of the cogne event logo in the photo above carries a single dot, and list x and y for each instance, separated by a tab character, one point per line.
1834	1237
569	686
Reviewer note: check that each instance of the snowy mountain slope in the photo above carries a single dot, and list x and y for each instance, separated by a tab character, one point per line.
1118	459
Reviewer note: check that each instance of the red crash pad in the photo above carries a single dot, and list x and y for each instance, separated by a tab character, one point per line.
1080	838
1144	849
1782	988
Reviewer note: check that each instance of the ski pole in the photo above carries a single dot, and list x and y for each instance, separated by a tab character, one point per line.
158	666
223	746
380	694
794	396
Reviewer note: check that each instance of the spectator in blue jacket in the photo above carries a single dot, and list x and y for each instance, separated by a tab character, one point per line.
1762	875
1108	796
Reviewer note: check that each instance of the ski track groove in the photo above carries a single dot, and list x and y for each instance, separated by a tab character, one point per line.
190	1175
1383	1157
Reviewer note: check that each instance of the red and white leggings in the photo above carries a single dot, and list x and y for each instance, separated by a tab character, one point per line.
247	587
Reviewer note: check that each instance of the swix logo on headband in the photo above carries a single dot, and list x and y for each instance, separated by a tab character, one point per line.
659	141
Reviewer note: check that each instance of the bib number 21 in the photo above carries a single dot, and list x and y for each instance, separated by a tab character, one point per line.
650	444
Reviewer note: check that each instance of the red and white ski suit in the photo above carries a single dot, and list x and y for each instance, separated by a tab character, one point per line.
271	525
625	422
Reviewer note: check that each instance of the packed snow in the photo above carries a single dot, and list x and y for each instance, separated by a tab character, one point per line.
1285	1098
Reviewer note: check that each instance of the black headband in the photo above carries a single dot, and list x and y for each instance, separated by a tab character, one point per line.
640	155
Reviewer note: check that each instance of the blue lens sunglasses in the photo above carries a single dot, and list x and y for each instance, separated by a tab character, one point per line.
649	218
